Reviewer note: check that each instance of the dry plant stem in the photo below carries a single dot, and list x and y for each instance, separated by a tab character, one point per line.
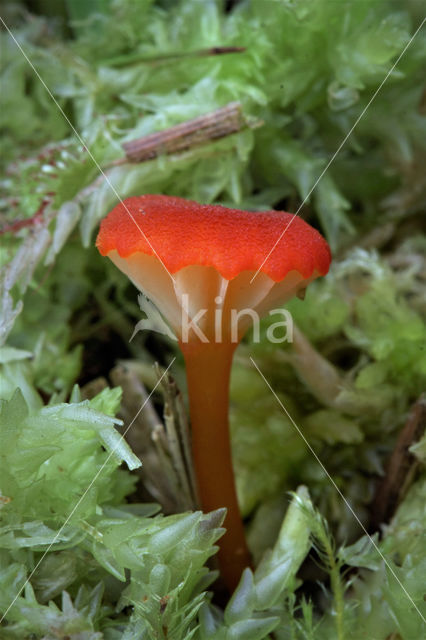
208	367
400	468
318	374
177	431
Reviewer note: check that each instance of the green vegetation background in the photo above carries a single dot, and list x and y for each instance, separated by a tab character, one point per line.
92	564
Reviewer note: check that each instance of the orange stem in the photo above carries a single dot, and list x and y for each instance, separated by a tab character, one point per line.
208	367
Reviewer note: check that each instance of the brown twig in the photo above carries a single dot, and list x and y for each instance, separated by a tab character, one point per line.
211	126
400	468
156	60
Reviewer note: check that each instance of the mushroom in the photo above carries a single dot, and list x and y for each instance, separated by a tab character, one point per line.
204	268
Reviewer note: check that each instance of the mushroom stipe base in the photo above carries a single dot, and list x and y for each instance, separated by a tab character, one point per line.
208	369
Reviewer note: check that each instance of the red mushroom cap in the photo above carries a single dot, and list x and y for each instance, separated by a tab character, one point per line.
182	233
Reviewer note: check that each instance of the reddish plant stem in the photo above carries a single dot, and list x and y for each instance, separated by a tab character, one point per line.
17	225
208	367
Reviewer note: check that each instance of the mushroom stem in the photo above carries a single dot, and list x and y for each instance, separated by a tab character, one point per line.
208	367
